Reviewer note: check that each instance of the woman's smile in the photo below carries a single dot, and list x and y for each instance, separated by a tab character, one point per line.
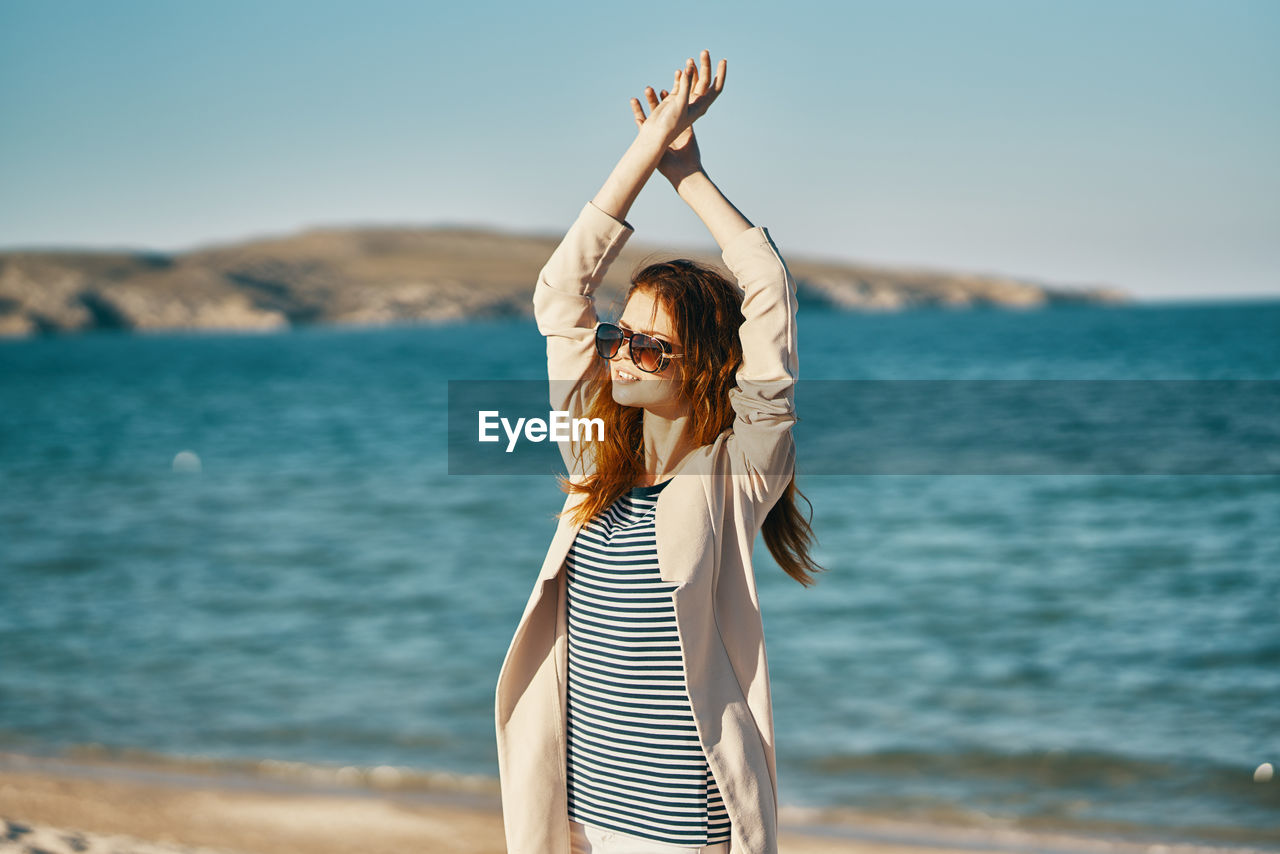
621	376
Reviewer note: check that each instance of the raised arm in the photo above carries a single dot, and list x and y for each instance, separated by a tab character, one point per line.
564	308
563	302
764	401
632	172
681	162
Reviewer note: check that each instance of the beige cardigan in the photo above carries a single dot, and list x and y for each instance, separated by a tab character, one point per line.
706	521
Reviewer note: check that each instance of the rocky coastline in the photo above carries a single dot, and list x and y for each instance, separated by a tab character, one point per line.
385	275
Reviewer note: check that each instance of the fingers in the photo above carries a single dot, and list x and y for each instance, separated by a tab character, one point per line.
703	82
637	111
703	77
705	88
684	78
689	91
678	106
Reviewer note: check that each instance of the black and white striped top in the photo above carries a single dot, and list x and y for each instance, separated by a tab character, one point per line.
635	765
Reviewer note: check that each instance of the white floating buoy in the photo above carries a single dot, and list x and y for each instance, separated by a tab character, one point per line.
1263	773
186	462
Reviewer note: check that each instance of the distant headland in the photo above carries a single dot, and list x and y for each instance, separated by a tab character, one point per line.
373	276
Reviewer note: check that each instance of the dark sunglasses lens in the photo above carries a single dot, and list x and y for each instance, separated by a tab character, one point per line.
647	352
608	339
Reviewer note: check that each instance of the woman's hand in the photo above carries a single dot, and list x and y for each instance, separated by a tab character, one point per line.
681	156
669	119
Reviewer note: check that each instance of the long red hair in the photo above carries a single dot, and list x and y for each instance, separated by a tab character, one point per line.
706	312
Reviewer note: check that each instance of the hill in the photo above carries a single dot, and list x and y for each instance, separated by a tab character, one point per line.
385	275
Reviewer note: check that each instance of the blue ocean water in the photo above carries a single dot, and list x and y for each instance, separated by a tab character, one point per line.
1090	652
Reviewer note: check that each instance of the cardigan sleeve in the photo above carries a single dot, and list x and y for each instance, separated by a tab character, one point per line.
761	446
564	309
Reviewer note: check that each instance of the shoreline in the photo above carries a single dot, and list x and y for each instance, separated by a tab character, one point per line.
96	805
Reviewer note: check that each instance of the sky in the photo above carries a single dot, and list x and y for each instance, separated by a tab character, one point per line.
1122	143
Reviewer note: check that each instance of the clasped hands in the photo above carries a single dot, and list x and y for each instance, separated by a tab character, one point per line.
672	113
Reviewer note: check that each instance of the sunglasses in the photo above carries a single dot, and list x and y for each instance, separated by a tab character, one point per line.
649	354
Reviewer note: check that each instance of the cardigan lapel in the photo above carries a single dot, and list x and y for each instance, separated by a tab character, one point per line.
677	554
565	534
672	530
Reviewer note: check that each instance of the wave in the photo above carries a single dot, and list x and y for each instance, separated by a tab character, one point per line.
386	778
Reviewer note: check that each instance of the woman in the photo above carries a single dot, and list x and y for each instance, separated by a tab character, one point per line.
633	708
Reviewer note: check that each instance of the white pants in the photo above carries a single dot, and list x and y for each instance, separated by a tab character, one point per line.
585	839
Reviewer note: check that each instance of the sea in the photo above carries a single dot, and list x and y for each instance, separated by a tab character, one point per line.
248	550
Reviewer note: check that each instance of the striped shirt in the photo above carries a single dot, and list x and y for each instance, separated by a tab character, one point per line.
635	764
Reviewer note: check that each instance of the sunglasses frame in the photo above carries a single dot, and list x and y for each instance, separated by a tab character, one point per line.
628	336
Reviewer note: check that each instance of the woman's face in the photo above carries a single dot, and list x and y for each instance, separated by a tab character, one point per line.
657	392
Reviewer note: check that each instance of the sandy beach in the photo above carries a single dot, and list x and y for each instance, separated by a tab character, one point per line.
57	807
112	807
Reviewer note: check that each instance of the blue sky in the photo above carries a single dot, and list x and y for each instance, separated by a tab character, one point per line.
1125	143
